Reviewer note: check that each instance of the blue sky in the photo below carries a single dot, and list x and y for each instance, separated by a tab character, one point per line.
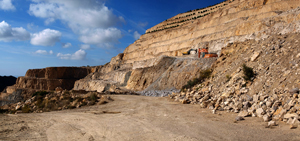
46	33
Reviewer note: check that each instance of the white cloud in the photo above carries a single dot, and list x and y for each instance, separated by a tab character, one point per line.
85	47
136	35
43	52
7	33
101	36
7	5
66	45
46	37
78	55
31	26
87	18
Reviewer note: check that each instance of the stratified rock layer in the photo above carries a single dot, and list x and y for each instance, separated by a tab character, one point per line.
170	72
52	77
237	21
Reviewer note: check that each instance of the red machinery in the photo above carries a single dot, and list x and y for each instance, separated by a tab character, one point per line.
203	53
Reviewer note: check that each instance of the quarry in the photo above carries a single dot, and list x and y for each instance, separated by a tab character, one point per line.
154	85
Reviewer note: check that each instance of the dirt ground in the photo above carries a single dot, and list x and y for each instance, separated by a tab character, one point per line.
139	118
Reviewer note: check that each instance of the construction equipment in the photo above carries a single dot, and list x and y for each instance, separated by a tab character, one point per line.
191	51
203	53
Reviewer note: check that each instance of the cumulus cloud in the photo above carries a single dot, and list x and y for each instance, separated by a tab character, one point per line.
78	55
43	52
7	33
136	35
87	18
66	45
46	37
85	47
101	36
7	5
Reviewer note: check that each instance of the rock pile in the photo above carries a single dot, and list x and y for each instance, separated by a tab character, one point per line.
273	94
277	107
43	101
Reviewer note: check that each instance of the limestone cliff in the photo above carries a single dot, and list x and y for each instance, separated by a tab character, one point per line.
52	77
237	20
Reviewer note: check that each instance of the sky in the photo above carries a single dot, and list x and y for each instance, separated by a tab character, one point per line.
47	33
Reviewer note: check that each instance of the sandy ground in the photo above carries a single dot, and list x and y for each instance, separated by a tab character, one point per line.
139	118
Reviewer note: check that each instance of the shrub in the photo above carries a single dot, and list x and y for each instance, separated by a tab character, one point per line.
26	109
228	77
248	73
40	93
40	103
93	97
203	75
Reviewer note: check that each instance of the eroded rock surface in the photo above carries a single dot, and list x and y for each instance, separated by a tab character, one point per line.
52	77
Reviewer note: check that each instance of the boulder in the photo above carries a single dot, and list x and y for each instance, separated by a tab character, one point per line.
255	56
293	115
239	118
295	90
266	118
260	112
272	123
243	114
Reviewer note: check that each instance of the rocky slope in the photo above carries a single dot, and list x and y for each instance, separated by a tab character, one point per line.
272	93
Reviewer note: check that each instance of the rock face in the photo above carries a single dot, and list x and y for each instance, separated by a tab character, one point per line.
6	81
164	74
169	73
52	77
221	24
271	94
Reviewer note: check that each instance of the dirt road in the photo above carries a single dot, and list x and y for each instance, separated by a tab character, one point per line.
138	118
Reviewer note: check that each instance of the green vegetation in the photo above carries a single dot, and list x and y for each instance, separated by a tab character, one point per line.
248	73
40	93
26	109
203	75
93	97
228	77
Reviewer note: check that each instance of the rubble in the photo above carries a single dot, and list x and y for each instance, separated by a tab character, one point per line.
45	101
272	94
